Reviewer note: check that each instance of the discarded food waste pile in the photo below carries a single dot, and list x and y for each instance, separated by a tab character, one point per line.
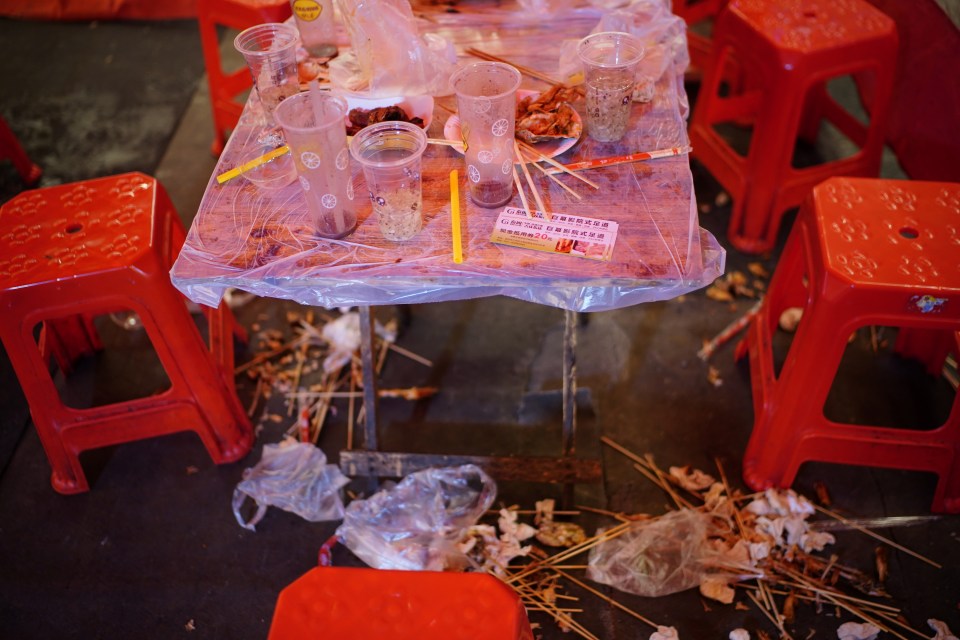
768	551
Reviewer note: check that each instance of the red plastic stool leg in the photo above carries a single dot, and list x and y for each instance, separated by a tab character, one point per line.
10	148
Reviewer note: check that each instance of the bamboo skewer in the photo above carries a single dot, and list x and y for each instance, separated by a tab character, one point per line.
605	598
533	73
350	408
523	196
839	601
575	550
877	536
531	595
560	168
757	601
557	180
410	354
533	187
269	354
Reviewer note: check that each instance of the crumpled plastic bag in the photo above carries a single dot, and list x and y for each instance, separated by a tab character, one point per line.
389	57
343	336
295	477
655	557
415	525
858	631
664	38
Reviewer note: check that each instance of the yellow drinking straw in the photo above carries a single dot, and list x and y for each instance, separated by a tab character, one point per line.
253	164
455	216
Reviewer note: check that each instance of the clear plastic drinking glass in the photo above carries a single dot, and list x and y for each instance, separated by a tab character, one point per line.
610	61
318	29
314	126
487	107
271	53
390	154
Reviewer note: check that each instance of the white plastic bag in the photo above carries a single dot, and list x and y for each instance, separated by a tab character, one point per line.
295	477
416	525
389	57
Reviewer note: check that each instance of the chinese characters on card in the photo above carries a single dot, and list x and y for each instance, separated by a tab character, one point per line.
565	234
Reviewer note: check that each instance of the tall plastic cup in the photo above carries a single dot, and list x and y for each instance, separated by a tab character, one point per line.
314	127
271	53
487	106
390	153
318	30
610	61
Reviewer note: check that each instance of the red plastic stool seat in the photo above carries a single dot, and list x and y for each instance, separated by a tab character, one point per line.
72	252
11	150
786	51
862	252
361	604
226	86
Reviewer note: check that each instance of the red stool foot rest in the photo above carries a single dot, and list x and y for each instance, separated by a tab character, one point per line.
862	252
76	251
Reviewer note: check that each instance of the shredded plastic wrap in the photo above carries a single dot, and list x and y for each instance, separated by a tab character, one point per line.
258	240
656	557
295	477
415	526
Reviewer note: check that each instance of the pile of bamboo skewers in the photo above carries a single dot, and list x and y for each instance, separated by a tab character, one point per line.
292	367
780	583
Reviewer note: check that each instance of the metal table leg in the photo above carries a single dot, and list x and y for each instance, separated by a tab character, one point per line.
566	468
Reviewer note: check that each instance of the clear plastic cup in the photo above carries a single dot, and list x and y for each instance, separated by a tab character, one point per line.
314	126
271	53
610	61
390	154
315	22
487	106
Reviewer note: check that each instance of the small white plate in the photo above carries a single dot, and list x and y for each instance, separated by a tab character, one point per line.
414	106
551	148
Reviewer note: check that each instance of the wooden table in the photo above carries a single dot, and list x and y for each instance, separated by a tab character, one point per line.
259	240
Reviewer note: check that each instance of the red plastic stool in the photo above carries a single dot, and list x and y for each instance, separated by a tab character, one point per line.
361	604
862	252
786	51
10	149
224	86
72	252
694	12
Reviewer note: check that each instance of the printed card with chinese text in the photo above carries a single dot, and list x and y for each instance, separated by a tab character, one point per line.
566	234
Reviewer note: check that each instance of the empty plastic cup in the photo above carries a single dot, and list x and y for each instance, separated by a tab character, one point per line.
271	53
314	126
390	153
487	107
610	61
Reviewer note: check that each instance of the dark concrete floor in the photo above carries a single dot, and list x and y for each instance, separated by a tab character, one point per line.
153	550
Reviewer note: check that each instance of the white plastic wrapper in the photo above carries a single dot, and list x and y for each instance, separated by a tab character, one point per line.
416	525
389	57
295	477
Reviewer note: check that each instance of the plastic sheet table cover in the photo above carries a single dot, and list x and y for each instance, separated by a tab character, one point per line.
260	241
